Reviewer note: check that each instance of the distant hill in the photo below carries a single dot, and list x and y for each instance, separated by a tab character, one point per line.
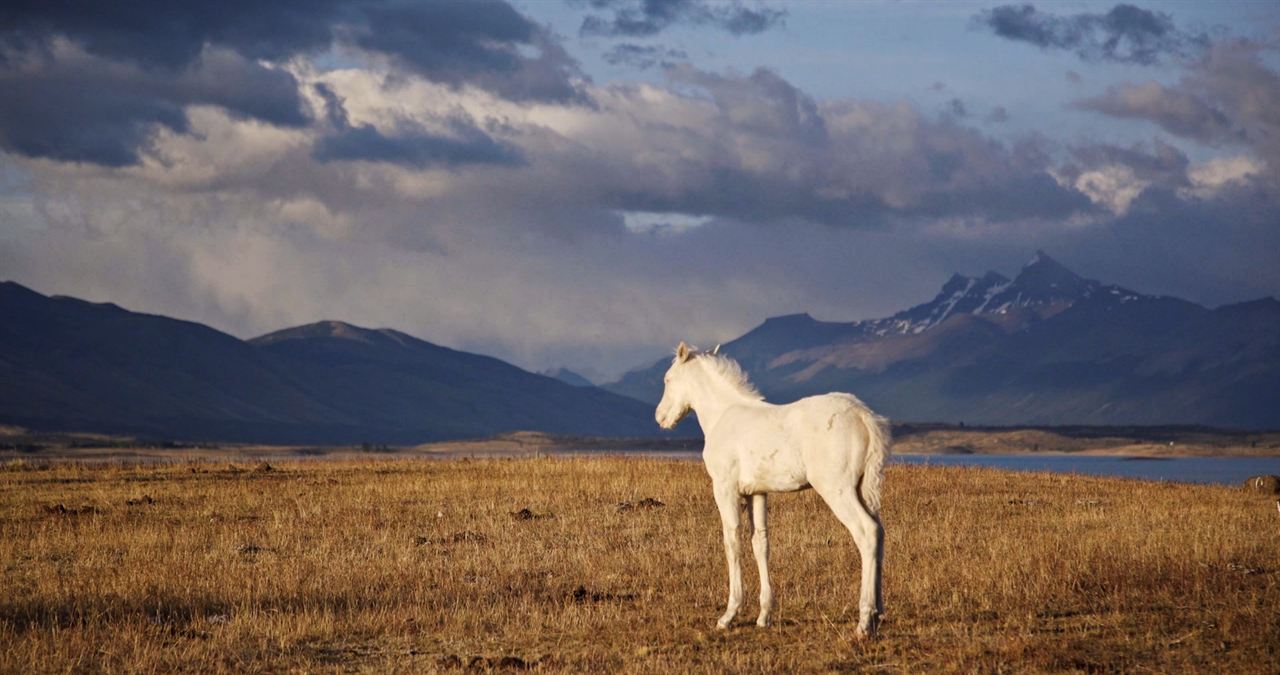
1047	347
568	377
71	365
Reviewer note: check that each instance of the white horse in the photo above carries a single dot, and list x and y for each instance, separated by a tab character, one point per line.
832	443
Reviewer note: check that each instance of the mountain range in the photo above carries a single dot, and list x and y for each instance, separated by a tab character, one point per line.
1047	347
71	365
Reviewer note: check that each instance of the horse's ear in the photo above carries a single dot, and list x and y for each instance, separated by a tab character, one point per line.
683	352
715	351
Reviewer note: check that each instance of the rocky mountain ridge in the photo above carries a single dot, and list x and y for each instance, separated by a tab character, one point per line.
1046	347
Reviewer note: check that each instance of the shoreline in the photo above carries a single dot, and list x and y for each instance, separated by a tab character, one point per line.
1138	443
345	454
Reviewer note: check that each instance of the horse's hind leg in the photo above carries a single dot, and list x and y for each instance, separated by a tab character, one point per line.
760	546
730	502
869	536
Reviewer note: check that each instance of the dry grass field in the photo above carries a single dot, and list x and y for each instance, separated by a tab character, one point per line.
531	564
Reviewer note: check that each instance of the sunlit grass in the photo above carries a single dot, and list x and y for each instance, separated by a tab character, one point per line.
420	565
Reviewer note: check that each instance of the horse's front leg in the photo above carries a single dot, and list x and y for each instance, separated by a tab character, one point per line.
760	546
729	503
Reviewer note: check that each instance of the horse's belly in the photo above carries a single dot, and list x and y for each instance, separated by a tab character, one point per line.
771	472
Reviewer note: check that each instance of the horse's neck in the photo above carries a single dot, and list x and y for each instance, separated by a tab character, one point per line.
715	396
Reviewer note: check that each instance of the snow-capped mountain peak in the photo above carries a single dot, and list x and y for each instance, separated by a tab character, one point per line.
1042	287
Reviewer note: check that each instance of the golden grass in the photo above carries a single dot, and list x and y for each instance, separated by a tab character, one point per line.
421	566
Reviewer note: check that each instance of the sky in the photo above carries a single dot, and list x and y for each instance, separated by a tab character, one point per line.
584	183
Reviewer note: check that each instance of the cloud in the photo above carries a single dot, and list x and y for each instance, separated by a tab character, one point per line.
440	40
1125	34
418	149
955	108
1177	111
998	115
81	81
643	18
481	43
1212	177
171	35
1227	98
662	224
1156	161
1160	178
755	148
749	147
1115	176
643	57
411	146
73	107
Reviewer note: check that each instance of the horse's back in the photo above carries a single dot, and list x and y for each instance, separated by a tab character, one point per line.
824	412
798	422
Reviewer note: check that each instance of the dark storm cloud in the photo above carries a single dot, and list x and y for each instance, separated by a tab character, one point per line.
89	81
1126	33
412	147
641	18
477	42
167	34
441	40
83	109
643	56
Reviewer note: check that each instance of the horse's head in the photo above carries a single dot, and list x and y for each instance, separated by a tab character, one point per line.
677	394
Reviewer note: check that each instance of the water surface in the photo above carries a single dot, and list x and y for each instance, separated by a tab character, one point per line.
1219	470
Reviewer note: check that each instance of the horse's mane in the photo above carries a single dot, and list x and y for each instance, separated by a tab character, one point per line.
732	373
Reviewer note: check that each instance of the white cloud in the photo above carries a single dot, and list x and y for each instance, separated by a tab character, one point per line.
647	222
1209	178
1114	187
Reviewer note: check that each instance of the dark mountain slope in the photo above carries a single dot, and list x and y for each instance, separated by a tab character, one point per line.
70	364
66	364
409	387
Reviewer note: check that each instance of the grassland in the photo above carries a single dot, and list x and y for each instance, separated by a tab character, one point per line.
511	564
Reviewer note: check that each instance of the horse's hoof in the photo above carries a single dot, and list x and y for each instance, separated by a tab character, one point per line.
866	631
723	624
762	622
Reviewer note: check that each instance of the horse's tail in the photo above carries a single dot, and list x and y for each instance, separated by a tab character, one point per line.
879	438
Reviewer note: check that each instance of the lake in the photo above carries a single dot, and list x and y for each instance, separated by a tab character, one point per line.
1220	470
